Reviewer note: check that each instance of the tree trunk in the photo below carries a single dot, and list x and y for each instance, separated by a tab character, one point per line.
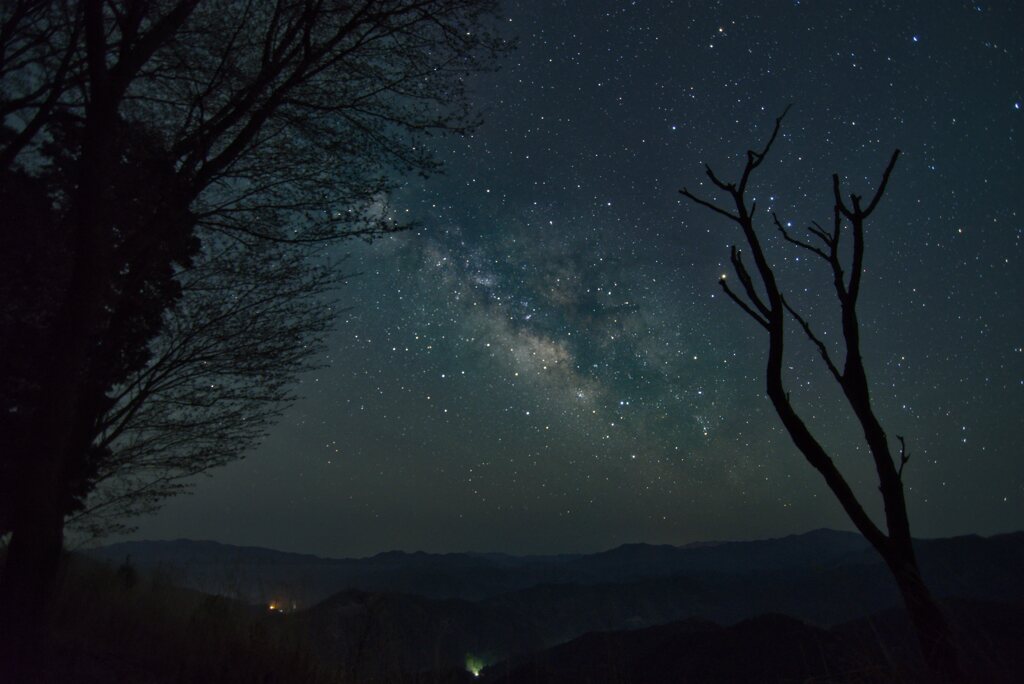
933	634
27	582
51	448
54	445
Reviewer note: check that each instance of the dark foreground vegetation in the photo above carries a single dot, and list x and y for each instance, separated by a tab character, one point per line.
777	648
116	625
798	609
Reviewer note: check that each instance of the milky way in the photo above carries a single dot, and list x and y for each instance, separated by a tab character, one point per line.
545	363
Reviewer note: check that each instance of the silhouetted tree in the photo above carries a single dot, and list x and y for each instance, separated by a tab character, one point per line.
36	257
132	134
250	319
763	300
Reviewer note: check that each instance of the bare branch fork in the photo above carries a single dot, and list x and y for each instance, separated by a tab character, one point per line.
904	456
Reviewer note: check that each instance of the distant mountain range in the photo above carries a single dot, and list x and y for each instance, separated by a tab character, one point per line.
775	648
955	566
412	612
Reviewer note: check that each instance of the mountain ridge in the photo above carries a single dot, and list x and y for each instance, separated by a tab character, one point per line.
256	574
212	543
428	610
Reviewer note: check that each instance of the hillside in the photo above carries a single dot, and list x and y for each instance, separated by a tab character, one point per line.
416	612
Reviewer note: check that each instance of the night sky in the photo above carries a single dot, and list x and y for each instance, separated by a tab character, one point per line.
548	364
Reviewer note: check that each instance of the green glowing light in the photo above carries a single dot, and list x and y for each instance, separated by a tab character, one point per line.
474	665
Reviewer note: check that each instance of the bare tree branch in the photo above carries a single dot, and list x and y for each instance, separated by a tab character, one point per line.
742	304
797	242
754	158
704	203
904	456
822	350
736	257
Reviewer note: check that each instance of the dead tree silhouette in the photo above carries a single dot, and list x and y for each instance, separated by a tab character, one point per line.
765	302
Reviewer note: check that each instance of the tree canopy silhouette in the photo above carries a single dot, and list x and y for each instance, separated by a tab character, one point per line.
763	300
250	319
153	153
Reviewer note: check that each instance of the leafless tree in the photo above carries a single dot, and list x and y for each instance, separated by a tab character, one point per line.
136	139
762	299
252	317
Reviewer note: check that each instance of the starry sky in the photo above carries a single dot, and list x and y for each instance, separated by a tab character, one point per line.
547	364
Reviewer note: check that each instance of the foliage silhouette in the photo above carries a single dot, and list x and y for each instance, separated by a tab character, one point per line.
151	150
